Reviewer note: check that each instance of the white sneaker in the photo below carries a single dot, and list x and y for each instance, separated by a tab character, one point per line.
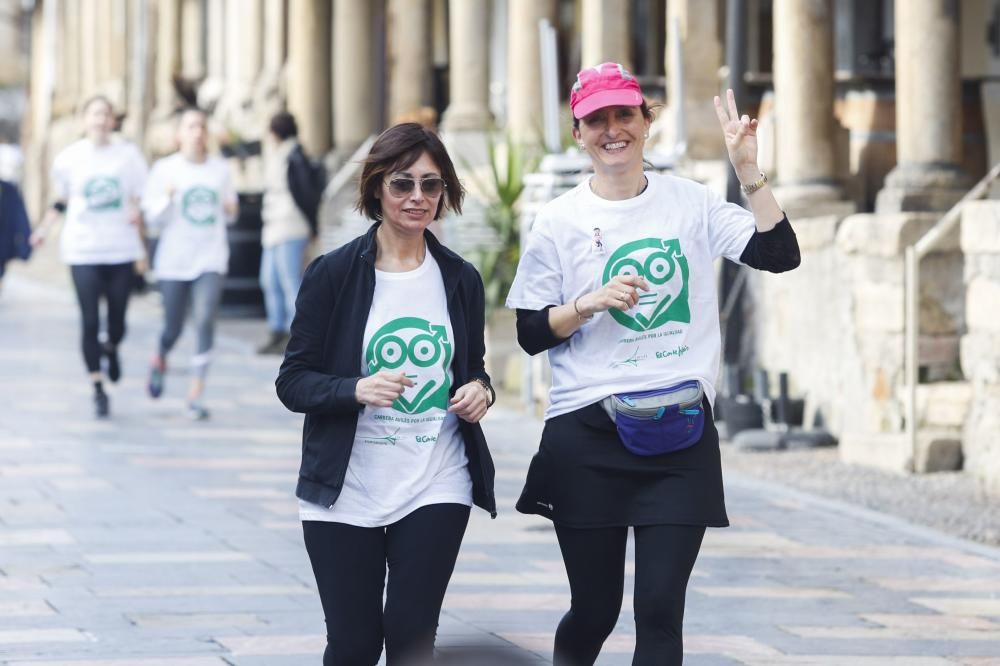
196	411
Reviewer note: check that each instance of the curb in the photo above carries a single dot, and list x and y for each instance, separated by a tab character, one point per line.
770	488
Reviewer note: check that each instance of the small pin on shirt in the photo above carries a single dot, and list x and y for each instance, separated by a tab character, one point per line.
597	247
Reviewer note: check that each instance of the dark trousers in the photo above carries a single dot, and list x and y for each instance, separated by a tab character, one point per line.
595	565
350	567
113	282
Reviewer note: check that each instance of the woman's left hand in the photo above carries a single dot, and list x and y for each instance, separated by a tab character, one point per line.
470	402
134	215
740	134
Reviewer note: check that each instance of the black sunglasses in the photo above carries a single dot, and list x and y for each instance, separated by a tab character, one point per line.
432	187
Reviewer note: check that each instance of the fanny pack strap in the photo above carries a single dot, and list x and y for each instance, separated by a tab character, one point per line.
609	404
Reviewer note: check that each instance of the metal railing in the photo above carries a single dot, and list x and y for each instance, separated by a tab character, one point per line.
911	330
348	170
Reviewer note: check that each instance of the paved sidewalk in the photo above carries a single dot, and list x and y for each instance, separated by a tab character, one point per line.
151	540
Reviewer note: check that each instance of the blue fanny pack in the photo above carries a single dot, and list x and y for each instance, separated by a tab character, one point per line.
659	421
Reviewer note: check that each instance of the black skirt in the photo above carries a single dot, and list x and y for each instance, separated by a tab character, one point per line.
583	476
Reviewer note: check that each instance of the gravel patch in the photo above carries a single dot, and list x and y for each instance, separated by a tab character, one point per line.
953	502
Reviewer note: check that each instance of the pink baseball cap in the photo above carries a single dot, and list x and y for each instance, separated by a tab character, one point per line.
608	84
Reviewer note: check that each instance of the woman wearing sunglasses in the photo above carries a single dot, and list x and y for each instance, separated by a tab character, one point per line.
617	282
385	359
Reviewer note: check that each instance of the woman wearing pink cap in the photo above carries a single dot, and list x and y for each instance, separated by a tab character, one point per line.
617	284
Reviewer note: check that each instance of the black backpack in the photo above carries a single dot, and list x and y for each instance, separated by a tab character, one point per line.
306	182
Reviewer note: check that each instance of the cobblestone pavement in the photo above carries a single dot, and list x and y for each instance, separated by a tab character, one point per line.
151	540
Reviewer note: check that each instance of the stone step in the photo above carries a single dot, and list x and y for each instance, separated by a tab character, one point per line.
938	450
943	404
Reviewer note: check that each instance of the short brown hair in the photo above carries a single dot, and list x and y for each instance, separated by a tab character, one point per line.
397	148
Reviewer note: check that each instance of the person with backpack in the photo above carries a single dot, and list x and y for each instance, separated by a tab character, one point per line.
291	206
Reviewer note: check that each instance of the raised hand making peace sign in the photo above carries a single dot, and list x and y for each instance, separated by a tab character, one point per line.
740	134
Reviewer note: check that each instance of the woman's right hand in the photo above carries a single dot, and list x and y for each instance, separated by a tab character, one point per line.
621	292
382	388
38	235
37	238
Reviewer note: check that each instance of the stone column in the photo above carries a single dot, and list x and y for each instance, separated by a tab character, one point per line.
141	30
524	77
354	115
167	54
803	97
267	94
69	77
244	53
102	43
118	57
439	33
309	72
215	54
12	73
605	33
274	36
928	109
37	119
251	41
468	66
193	39
409	47
699	36
88	46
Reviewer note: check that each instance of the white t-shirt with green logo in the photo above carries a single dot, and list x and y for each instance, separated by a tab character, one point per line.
411	454
99	185
185	199
670	234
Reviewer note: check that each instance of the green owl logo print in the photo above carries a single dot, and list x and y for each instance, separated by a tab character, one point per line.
103	193
665	269
419	349
199	205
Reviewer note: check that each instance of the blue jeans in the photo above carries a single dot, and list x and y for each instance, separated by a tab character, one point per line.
280	277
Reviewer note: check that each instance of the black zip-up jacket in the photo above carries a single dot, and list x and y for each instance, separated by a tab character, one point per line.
323	358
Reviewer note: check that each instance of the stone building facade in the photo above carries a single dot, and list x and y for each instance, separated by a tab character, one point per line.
877	115
877	131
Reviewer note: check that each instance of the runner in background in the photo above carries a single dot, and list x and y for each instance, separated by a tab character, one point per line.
190	199
96	183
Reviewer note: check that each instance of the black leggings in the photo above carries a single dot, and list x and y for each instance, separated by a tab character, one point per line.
114	283
595	564
350	564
